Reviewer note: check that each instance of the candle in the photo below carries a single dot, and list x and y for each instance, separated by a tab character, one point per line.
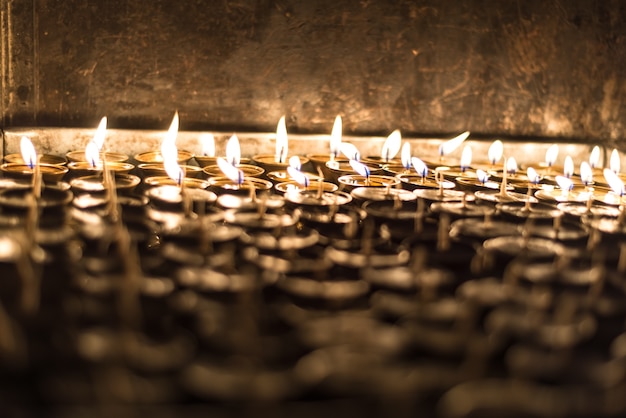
320	160
207	150
449	146
277	161
233	156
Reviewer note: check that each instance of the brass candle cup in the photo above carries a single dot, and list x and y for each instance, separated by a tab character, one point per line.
205	161
49	173
78	156
351	181
289	186
414	181
151	157
338	168
224	185
192	183
247	169
45	159
282	176
124	183
158	170
83	168
268	162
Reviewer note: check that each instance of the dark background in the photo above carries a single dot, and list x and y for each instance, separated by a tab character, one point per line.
534	68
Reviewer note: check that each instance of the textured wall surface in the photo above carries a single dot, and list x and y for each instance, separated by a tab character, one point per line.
545	68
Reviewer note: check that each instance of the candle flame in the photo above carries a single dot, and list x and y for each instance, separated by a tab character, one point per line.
511	165
294	162
616	184
233	151
92	154
420	166
551	154
100	134
482	175
298	176
615	163
29	155
532	175
230	171
452	144
405	155
586	173
208	145
495	151
568	167
335	137
360	168
168	145
594	158
391	147
564	183
466	158
350	151
282	142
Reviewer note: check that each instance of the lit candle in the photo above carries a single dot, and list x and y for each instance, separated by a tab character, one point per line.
350	151
551	155
405	156
566	185
449	146
335	138
495	152
617	186
614	162
207	150
568	167
594	157
586	173
31	159
466	158
420	167
391	147
282	142
361	169
511	166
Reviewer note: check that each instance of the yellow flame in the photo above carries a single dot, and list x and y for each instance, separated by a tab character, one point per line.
564	183
511	165
615	163
420	166
168	145
282	142
568	167
233	151
335	137
230	171
360	168
594	158
29	155
208	145
405	155
298	176
495	151
391	147
466	157
100	134
616	184
452	144
92	154
294	162
551	154
586	173
350	151
532	175
482	176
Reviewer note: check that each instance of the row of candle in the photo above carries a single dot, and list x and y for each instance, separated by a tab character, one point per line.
343	158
